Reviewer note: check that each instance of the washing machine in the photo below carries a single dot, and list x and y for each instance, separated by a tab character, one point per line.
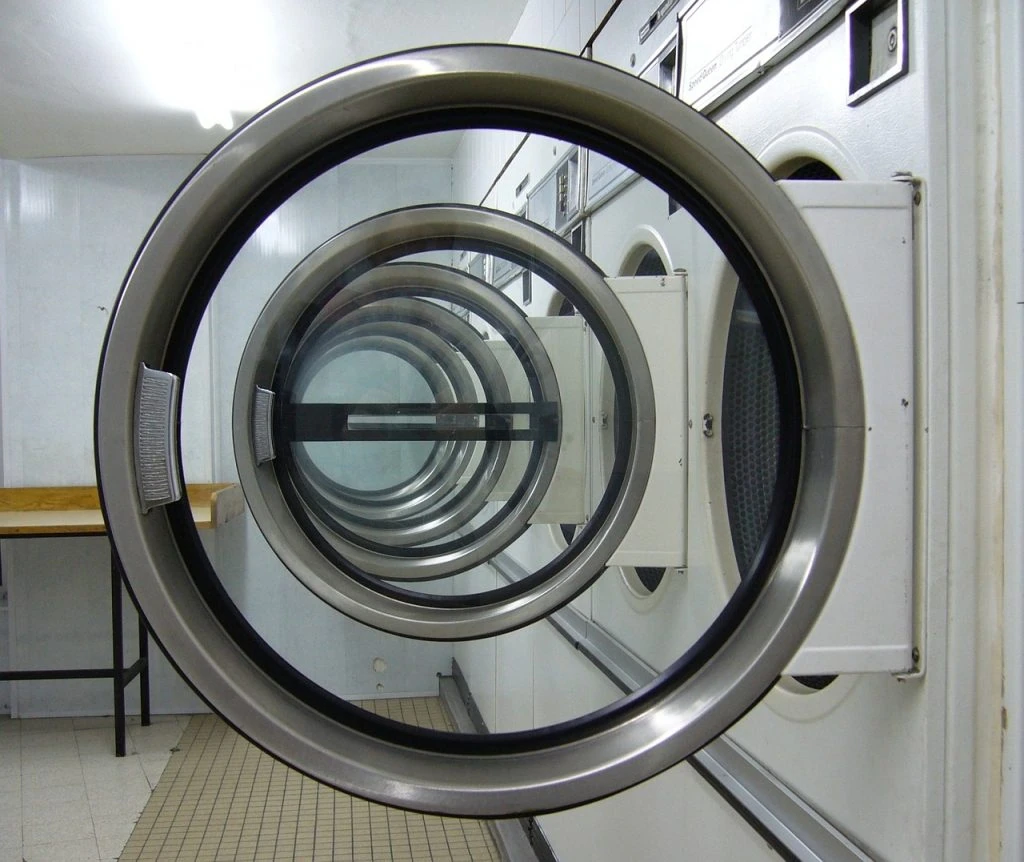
814	92
405	562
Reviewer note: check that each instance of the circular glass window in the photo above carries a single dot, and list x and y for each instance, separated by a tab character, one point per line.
751	426
407	429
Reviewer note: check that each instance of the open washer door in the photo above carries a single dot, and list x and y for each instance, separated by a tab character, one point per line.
383	396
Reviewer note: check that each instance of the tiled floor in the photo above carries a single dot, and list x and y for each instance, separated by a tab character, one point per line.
64	797
223	799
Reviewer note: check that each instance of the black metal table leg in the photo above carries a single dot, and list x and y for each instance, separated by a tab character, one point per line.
118	639
120	675
144	672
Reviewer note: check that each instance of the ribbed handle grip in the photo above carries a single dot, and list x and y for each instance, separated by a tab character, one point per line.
157	471
262	429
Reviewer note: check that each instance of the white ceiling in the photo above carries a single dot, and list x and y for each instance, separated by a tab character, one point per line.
95	77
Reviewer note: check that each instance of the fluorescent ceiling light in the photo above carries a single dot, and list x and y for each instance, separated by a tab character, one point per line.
214	58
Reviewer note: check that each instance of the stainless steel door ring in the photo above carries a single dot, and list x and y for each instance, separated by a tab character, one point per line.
765	241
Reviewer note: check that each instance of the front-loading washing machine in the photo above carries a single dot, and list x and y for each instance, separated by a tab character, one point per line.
650	603
363	288
847	727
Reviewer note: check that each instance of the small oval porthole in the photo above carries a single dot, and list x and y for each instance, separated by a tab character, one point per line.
643	581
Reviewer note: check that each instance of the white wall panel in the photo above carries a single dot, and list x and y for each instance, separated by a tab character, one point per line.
332	650
5	220
335	651
60	610
72	228
514	670
676	815
565	685
477	659
588	19
566	36
530	29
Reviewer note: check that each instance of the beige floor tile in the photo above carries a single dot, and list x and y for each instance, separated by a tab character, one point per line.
217	797
221	798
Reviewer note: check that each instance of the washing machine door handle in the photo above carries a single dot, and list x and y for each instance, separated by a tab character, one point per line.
157	468
186	255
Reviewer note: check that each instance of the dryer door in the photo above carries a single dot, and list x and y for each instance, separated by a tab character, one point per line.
396	425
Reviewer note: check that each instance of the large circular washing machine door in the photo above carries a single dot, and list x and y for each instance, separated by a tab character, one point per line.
397	423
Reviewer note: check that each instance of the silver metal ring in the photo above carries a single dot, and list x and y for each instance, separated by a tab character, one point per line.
674	716
428	323
402	503
449	463
441	363
260	483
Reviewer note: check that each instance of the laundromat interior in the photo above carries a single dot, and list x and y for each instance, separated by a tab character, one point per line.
574	430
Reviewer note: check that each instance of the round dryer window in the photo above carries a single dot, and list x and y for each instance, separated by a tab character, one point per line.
406	421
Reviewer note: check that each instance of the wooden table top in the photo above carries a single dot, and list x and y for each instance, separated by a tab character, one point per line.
75	509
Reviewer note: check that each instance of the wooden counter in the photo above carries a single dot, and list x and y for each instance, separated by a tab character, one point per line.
74	510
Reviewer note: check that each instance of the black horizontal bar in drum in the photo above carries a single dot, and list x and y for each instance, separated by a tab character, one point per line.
434	408
312	423
418	432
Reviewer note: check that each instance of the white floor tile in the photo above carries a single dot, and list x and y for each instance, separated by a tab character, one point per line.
50	774
154	765
94	722
54	739
10	806
46	725
104	769
113	829
74	811
10	821
99	741
110	848
157	738
126	800
10	836
112	808
64	796
43	797
84	850
65	824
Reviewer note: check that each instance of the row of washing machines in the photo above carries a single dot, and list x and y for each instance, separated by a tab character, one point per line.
603	439
845	727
